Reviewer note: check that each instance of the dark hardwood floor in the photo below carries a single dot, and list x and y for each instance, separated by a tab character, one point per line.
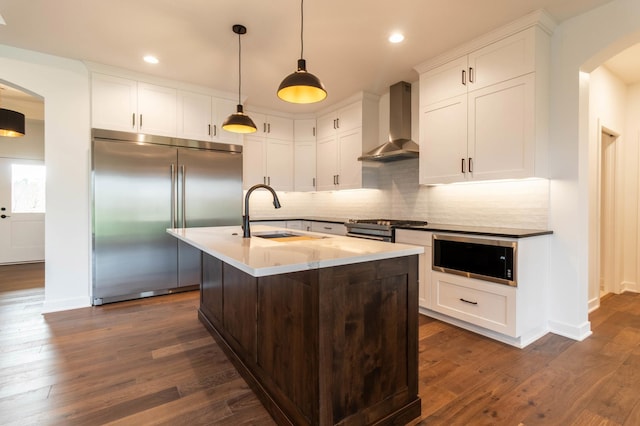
151	362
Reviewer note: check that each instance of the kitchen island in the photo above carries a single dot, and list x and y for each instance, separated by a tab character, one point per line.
323	328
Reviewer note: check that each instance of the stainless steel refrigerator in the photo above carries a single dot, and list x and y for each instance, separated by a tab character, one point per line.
143	185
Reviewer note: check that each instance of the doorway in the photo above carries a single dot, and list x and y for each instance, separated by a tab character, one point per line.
22	210
22	181
607	208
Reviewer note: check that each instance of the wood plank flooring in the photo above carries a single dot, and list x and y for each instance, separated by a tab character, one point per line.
151	362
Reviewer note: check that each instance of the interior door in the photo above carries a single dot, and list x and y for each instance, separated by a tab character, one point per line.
210	194
22	210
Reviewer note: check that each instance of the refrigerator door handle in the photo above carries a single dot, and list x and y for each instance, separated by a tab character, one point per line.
183	171
174	206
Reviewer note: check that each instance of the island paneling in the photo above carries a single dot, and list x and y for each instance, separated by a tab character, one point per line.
326	346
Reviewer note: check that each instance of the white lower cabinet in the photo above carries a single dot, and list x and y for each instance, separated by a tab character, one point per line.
488	305
513	315
423	239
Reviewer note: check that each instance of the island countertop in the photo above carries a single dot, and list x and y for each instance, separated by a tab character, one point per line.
263	257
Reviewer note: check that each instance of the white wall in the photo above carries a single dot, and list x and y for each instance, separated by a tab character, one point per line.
581	43
64	85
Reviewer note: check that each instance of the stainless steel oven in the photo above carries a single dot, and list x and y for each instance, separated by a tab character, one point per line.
486	259
378	229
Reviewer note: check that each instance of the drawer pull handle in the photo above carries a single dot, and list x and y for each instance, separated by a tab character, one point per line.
468	301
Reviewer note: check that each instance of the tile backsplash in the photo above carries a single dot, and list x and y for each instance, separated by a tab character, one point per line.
511	204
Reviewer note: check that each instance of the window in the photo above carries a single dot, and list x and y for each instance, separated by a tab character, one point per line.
27	188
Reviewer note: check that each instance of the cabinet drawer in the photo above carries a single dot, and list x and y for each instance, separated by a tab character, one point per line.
329	228
487	305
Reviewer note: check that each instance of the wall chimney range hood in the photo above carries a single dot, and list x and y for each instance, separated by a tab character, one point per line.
400	145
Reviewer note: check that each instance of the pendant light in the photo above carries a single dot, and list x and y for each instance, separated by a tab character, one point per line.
301	87
11	123
239	122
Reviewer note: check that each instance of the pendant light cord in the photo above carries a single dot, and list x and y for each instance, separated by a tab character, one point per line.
239	69
301	29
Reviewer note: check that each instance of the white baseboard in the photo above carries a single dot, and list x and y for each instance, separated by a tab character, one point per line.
518	342
578	333
594	304
65	304
629	286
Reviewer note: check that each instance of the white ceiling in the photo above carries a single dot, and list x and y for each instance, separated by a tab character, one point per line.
345	41
626	65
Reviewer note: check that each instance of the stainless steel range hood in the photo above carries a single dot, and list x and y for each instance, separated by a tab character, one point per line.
400	145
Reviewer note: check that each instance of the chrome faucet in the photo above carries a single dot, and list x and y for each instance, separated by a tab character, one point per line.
245	218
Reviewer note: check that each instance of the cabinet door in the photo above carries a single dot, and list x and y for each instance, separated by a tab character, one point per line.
326	163
194	116
114	103
304	166
349	168
326	125
423	239
349	118
444	82
304	130
279	128
424	290
253	161
443	141
508	58
157	110
501	130
222	108
279	157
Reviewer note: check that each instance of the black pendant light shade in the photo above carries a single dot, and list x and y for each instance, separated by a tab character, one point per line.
11	123
301	87
239	122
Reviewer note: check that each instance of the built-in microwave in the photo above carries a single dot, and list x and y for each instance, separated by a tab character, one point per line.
486	259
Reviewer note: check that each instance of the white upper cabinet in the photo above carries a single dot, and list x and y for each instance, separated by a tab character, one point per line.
342	136
194	116
126	105
500	61
268	154
483	115
200	117
304	162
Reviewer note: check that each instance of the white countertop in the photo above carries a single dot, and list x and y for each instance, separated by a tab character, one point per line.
262	257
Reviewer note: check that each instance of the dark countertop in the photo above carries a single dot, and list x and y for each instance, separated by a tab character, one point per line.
312	219
479	230
435	227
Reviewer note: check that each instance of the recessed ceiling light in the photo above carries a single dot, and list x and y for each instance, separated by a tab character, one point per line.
396	37
151	59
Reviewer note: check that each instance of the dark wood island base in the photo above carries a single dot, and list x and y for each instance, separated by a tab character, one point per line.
329	346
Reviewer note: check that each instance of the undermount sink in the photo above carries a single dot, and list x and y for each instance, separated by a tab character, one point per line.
285	236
